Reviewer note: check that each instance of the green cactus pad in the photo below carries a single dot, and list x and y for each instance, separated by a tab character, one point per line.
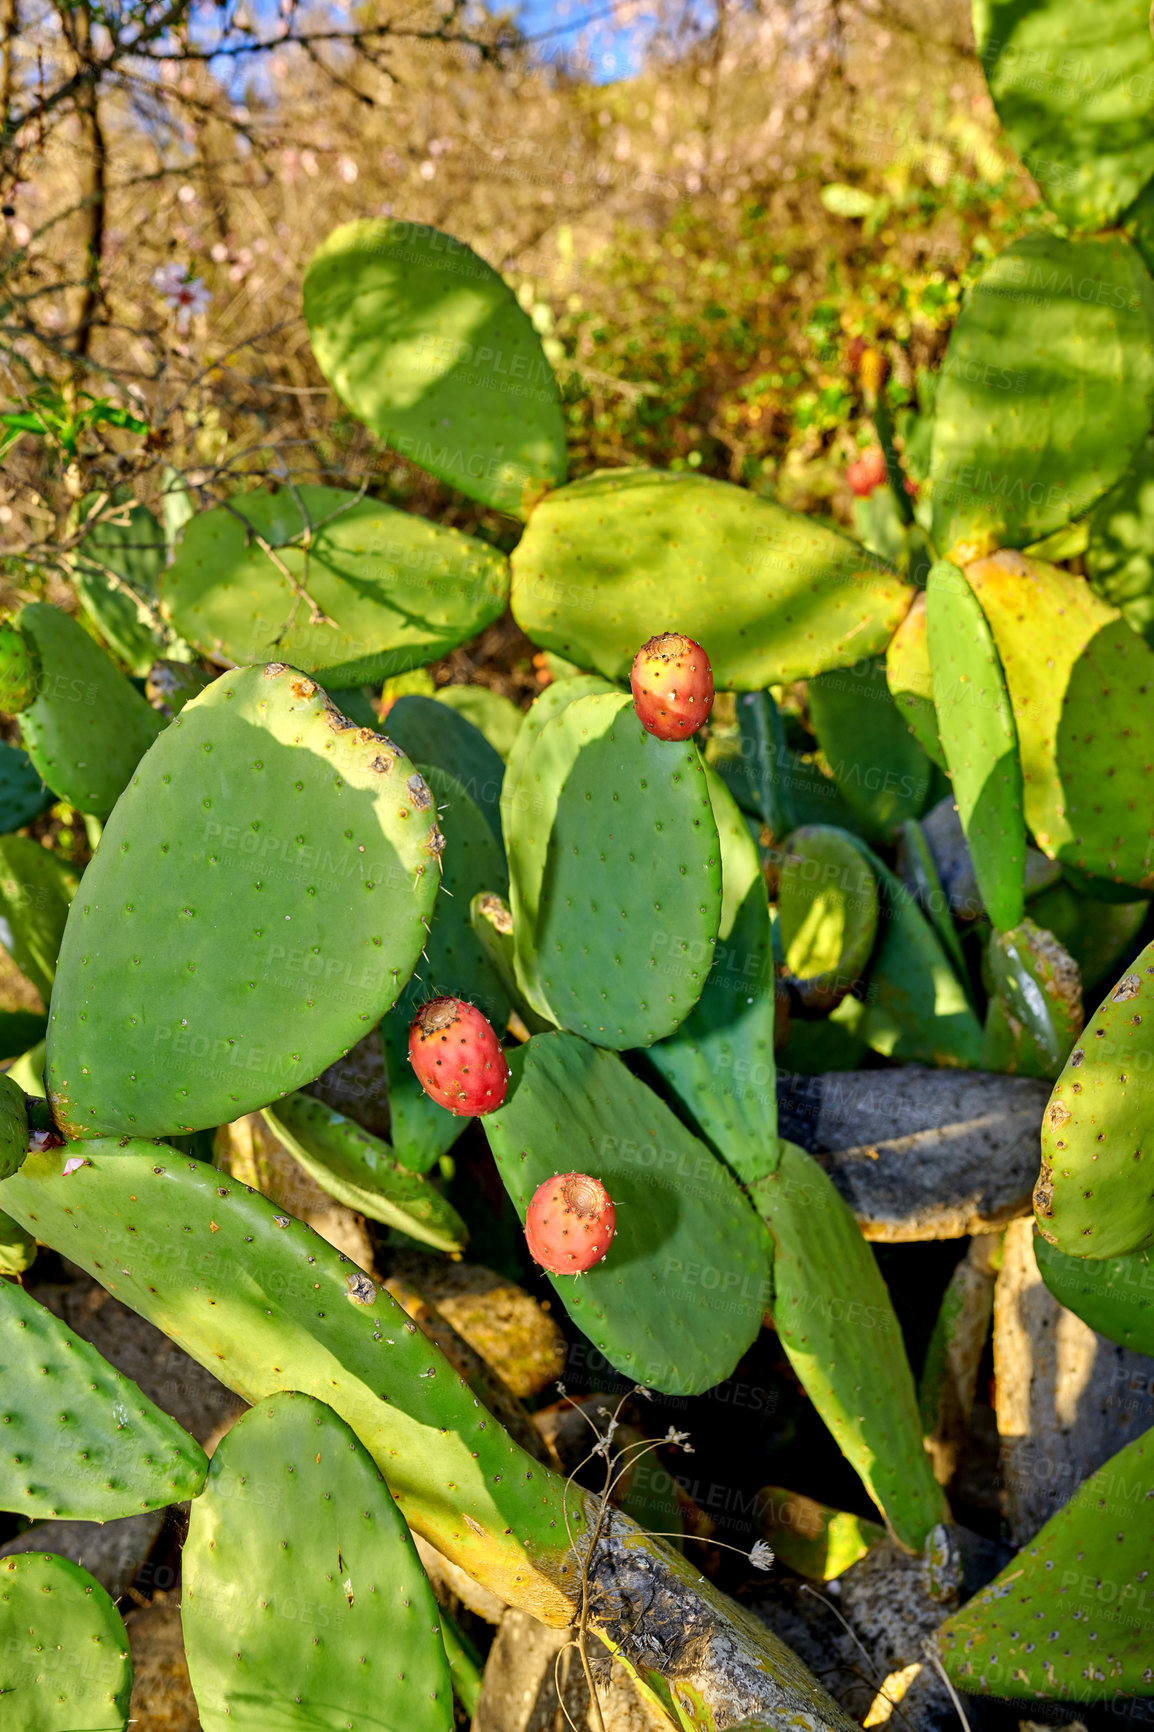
1100	936
615	874
827	909
809	1537
116	570
23	793
264	1302
271	869
719	1063
837	1325
976	726
455	964
1074	88
391	591
304	1603
1114	1295
1084	713
765	759
496	717
919	869
19	669
431	732
79	1439
1046	391
17	1247
429	347
13	1126
1035	1011
680	1293
64	1656
1095	1194
624	553
88	728
358	1169
910	680
880	770
1070	1615
36	890
1120	548
915	1008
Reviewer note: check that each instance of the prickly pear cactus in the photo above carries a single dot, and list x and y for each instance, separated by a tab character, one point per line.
116	571
720	1064
1045	394
827	910
36	890
1071	1613
910	680
680	1294
23	792
359	1170
980	741
435	733
13	1126
1114	1295
429	346
1073	89
303	1600
87	728
1093	1197
80	1439
167	1234
340	586
612	557
17	1247
271	868
615	873
64	1656
837	1325
1035	1010
880	770
19	669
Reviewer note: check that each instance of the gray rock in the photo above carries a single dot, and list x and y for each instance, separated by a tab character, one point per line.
917	1153
947	843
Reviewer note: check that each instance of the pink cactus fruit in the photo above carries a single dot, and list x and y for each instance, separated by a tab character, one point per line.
454	1050
672	685
570	1223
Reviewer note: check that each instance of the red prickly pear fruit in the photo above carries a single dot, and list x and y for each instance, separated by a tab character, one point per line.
672	686
570	1223
457	1057
868	472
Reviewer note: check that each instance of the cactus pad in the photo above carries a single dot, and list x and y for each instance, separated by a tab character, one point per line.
622	553
910	680
13	1126
976	727
1035	1010
720	1063
428	345
1069	1617
828	910
64	1658
304	1603
380	590
88	728
1073	89
271	868
79	1439
1114	1295
1120	547
837	1325
615	873
358	1169
680	1294
116	569
1054	345
23	793
431	732
880	770
36	889
1095	1194
1084	713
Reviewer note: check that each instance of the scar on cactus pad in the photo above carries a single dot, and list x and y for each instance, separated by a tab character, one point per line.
454	1050
672	682
570	1223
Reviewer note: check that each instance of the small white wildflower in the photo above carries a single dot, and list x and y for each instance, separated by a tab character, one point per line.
561	1389
185	294
672	1436
761	1557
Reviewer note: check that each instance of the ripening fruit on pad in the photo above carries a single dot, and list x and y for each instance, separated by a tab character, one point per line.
454	1050
672	683
570	1223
